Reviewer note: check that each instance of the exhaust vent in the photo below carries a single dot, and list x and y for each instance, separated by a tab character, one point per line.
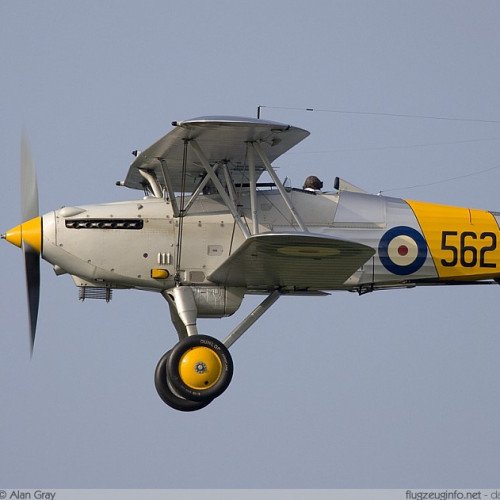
105	224
95	292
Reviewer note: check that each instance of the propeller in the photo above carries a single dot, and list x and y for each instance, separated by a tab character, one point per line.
29	187
29	210
32	267
28	234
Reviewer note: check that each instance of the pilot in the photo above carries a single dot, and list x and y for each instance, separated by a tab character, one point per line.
312	183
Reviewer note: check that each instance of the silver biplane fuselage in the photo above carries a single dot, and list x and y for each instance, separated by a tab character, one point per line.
125	244
207	233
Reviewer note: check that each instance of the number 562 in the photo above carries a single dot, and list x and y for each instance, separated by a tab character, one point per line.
464	249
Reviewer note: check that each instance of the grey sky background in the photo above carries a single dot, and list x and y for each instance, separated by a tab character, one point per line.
390	390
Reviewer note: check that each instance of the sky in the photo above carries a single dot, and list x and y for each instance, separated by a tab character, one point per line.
394	389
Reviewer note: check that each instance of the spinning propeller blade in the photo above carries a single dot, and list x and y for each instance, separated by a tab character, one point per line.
29	210
28	235
29	187
32	267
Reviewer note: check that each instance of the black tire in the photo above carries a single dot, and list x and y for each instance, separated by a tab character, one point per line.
196	394
166	394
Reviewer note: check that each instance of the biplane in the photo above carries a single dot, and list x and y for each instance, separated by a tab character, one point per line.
207	232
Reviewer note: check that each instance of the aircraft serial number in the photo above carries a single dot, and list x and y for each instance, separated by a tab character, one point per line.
463	248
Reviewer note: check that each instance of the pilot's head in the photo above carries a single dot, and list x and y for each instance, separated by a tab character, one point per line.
312	182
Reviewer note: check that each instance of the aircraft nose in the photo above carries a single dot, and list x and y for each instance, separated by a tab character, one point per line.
29	232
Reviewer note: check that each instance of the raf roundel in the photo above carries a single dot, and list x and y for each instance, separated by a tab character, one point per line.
402	250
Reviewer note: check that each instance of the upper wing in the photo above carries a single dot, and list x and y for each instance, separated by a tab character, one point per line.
295	260
223	139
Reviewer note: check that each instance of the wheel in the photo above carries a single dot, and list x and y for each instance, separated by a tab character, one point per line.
166	393
199	368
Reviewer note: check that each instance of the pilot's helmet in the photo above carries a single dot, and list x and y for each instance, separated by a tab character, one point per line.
312	182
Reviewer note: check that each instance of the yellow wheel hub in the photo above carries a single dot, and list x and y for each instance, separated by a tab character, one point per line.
200	368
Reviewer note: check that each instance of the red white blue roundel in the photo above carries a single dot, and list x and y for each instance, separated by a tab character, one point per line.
402	250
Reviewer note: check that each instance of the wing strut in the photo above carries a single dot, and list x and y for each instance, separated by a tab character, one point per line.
251	318
229	183
229	196
220	188
279	185
253	189
199	189
168	185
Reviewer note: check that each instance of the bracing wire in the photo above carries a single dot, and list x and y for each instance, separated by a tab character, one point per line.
377	113
442	181
401	115
388	148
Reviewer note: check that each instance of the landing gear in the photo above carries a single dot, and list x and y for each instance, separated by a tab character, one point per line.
193	373
166	393
199	368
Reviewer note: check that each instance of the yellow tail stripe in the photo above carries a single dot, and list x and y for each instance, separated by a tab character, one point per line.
463	242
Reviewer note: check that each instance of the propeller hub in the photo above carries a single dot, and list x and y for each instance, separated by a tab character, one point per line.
29	232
